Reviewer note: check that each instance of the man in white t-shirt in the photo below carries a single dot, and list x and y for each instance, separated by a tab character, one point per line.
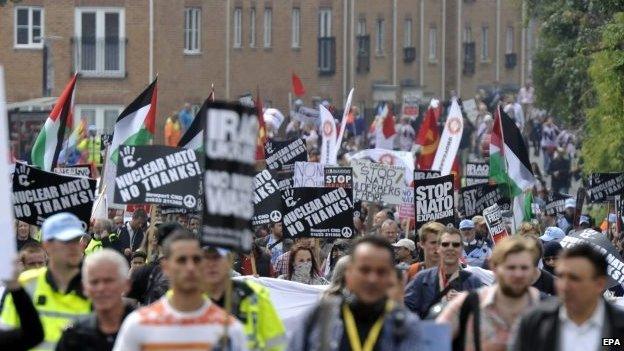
184	320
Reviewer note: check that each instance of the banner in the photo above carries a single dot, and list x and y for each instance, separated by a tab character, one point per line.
306	115
156	174
230	143
449	141
603	186
555	203
283	154
320	213
338	177
476	198
494	221
477	173
308	174
75	171
38	195
403	159
267	199
328	136
406	208
434	201
377	182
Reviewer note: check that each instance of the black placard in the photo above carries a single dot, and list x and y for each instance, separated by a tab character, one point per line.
268	205
603	186
434	201
320	213
38	195
283	154
425	174
338	177
156	174
230	144
476	198
555	203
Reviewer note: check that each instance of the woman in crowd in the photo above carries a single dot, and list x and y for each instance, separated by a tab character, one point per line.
302	267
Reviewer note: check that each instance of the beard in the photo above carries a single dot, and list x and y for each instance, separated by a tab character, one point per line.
509	291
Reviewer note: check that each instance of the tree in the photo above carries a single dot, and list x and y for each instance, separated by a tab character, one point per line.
603	146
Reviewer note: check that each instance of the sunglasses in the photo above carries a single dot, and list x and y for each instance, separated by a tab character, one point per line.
455	244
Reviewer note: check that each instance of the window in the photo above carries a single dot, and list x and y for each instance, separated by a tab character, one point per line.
433	44
99	46
268	23
103	117
192	30
361	27
363	47
252	28
325	22
468	34
296	24
407	33
238	31
326	43
484	43
379	40
509	43
28	27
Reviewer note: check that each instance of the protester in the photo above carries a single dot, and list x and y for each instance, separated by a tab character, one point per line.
476	252
33	255
492	311
138	260
337	281
23	235
580	318
186	317
379	218
55	290
552	249
364	312
338	249
303	267
150	243
543	280
130	236
552	234
403	250
251	302
281	266
549	141
173	130
261	261
274	241
102	228
443	282
185	117
428	243
559	171
406	135
105	280
389	230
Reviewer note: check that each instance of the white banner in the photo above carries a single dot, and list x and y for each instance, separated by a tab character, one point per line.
343	124
328	133
449	142
378	182
8	249
403	159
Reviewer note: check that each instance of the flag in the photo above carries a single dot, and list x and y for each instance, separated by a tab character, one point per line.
297	85
134	126
428	138
262	134
509	164
343	123
385	131
47	147
193	138
328	135
449	141
76	151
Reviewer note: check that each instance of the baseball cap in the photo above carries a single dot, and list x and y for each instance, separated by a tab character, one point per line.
570	203
221	251
466	224
62	226
584	219
552	234
406	243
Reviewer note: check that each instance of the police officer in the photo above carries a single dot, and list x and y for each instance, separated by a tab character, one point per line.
55	290
476	251
251	303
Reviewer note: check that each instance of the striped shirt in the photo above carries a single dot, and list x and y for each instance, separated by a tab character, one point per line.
159	327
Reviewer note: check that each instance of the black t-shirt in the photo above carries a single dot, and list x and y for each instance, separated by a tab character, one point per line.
546	283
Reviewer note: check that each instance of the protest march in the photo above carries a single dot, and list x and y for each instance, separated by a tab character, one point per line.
286	200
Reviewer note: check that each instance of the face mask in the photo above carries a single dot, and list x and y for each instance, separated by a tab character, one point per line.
302	270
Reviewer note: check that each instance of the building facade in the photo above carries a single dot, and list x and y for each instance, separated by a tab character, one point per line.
385	49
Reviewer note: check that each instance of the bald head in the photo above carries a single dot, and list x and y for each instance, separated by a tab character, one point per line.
390	230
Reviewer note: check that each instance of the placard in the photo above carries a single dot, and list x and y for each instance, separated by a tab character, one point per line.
603	186
434	201
267	199
555	203
230	145
425	174
476	198
157	174
320	213
308	174
406	208
38	195
377	182
477	173
283	154
75	171
496	225
338	177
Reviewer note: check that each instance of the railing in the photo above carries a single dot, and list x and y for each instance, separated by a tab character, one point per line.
100	57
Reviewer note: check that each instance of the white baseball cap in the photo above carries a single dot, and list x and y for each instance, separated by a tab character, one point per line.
406	243
62	226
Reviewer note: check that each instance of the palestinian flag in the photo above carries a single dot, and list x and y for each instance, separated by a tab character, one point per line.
47	147
192	138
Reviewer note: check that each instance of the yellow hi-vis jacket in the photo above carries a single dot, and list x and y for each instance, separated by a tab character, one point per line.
56	310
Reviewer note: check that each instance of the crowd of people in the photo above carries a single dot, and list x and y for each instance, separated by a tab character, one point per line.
146	281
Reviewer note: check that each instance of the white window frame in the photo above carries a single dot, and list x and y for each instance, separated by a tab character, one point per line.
238	27
100	13
252	27
468	34
433	44
296	28
509	40
268	27
100	112
30	44
192	30
380	33
361	27
407	33
325	22
485	45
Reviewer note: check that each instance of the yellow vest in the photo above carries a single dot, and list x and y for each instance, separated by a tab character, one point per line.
56	310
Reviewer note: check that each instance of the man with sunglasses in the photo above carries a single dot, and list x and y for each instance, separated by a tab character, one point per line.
56	290
443	282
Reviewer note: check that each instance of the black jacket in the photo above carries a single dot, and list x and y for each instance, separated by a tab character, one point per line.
85	335
539	329
122	241
31	331
148	284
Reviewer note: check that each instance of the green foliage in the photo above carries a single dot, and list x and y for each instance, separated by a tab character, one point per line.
603	146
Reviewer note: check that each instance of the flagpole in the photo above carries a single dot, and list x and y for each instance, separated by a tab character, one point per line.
511	198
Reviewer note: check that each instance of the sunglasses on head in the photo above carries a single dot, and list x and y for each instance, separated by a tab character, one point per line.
447	244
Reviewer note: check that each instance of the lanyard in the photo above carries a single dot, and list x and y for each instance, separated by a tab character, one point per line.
373	334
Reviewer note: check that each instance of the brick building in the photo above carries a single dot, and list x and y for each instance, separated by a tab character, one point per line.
384	48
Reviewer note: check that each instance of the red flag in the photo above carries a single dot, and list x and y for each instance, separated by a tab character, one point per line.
297	85
428	138
261	130
388	124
